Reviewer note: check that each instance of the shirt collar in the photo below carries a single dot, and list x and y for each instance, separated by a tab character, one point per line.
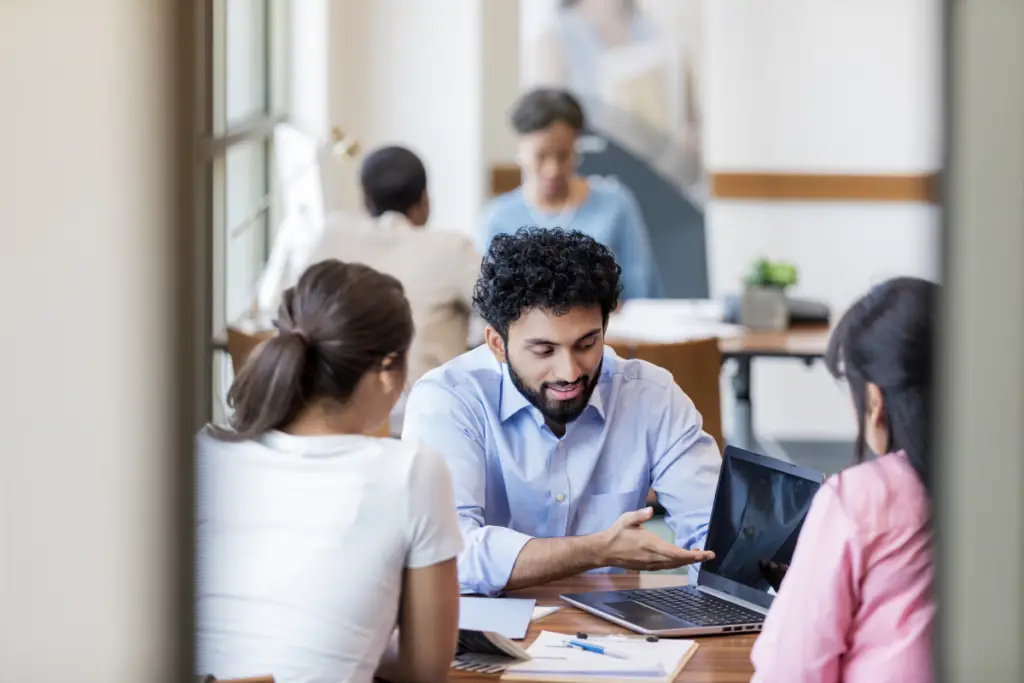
393	222
596	399
513	401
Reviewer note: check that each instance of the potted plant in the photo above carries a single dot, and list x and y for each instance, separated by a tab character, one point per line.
763	305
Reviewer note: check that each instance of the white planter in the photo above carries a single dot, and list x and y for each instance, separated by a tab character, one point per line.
764	308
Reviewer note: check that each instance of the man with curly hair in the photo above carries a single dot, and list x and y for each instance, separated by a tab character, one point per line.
553	441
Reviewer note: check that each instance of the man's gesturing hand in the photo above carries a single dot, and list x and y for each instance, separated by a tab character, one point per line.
628	545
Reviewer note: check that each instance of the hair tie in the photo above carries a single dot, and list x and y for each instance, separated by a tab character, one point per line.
288	327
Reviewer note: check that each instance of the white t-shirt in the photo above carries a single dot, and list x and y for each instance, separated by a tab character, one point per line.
302	542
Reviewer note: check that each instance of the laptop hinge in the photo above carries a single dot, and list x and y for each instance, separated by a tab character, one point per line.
733	599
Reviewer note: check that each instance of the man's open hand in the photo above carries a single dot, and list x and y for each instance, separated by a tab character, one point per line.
626	544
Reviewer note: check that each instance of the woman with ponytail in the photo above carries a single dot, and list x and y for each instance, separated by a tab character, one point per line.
314	540
856	605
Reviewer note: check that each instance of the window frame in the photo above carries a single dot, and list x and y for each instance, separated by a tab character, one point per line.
216	140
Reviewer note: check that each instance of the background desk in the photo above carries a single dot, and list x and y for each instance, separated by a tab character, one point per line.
806	343
803	342
721	659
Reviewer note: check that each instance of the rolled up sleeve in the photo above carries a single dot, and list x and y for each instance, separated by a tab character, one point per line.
685	471
438	418
491	552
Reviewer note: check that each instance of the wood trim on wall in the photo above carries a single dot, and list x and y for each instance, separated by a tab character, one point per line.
921	187
504	178
813	187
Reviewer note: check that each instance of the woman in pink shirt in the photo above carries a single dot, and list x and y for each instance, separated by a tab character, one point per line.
856	604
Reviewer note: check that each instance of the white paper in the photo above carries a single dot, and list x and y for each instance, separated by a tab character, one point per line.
669	320
645	660
509	617
541	612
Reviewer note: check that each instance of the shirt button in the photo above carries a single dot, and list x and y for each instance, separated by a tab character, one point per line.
560	497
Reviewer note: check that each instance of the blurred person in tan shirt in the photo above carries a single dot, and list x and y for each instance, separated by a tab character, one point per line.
437	268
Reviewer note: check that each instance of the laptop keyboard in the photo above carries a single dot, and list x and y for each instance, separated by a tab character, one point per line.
686	602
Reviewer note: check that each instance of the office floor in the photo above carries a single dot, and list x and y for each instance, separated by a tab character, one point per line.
827	457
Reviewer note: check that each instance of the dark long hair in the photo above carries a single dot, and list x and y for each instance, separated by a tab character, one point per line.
339	322
887	338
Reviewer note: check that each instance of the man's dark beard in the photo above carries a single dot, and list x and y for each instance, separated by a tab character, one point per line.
560	412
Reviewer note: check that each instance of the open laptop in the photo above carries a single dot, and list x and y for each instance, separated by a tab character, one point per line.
760	505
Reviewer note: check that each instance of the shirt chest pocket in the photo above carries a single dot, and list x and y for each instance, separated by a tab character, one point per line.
598	511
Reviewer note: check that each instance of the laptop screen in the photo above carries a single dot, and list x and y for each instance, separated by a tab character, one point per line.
756	519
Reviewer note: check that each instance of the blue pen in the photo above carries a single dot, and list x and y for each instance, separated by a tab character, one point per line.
597	649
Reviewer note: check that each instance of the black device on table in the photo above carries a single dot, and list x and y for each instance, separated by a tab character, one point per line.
759	508
801	311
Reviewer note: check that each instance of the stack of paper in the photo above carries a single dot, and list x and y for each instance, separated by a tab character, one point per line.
487	627
509	617
669	320
551	660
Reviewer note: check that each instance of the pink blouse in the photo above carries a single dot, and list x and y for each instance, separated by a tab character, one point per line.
856	604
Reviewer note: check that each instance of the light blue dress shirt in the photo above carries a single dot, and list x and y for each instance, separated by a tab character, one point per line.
610	214
515	480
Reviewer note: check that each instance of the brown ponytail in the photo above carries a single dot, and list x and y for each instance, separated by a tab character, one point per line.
339	322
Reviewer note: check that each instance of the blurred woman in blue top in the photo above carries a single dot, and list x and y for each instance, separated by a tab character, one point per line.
554	195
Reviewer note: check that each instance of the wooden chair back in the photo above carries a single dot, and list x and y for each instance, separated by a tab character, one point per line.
696	366
241	344
505	178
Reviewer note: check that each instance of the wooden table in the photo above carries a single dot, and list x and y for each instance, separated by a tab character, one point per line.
719	659
800	342
806	342
803	342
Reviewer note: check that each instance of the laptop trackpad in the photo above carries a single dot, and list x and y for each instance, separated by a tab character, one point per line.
642	615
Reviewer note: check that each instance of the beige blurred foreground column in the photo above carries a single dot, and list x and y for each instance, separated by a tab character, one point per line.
96	269
980	499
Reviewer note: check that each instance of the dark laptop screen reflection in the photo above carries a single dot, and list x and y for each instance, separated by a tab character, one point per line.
757	520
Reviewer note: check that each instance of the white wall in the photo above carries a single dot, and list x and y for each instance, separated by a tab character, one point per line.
85	455
534	18
501	68
805	86
800	85
434	75
308	67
